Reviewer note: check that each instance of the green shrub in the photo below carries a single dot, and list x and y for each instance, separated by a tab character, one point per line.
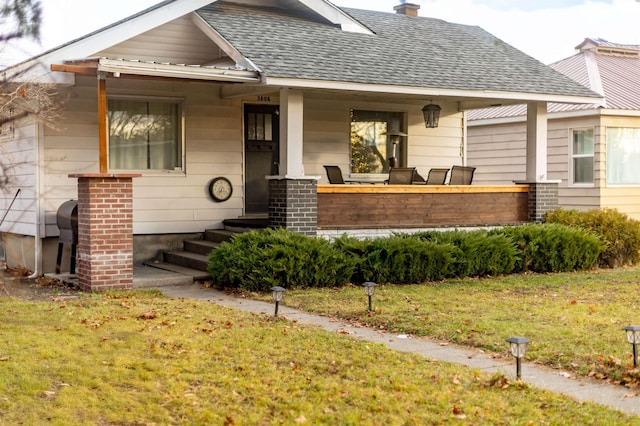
619	233
553	247
257	261
396	259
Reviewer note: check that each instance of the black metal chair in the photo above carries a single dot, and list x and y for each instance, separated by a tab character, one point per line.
461	175
437	176
401	175
334	174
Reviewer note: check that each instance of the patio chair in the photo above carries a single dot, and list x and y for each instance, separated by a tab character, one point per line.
334	174
418	179
461	175
401	175
437	176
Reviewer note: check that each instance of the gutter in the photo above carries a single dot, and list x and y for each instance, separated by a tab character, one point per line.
37	256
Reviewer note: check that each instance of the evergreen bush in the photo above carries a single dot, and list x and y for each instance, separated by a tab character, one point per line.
553	247
257	261
619	233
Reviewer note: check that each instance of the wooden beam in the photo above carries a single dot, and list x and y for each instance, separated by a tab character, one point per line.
76	69
102	122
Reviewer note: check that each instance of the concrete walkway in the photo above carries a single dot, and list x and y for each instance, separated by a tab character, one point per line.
581	389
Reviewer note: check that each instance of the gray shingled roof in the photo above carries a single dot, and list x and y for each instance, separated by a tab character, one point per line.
405	51
618	76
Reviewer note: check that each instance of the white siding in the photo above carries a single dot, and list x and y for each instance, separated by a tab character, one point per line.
327	133
178	42
17	158
168	203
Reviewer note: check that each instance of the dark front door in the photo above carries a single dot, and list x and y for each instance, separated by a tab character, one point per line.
261	137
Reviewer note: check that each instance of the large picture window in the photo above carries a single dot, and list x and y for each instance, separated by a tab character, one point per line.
145	134
623	156
371	147
582	156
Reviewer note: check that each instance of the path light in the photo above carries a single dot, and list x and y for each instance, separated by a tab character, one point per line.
633	337
518	348
369	289
277	293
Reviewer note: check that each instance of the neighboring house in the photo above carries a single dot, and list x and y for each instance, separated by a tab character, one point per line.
593	150
188	90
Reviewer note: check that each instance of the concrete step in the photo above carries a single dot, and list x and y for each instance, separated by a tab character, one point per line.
219	235
200	246
194	274
186	259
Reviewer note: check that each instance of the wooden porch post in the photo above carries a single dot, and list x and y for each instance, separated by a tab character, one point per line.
102	121
536	141
291	133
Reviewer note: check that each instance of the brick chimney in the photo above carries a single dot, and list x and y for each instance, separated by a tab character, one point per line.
409	9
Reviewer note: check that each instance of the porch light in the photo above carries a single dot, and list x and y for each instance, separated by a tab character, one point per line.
431	114
369	289
518	348
277	293
633	337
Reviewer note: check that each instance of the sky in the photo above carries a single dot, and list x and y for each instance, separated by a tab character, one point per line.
548	30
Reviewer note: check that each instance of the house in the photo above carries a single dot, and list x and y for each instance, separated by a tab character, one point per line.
194	112
593	149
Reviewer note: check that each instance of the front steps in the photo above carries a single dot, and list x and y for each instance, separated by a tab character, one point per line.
192	259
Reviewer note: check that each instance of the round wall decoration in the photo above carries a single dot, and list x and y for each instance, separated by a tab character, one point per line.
220	189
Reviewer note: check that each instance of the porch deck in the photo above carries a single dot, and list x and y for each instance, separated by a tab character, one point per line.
420	206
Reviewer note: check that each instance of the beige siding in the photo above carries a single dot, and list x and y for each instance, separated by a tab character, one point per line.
326	134
178	42
18	172
499	153
163	203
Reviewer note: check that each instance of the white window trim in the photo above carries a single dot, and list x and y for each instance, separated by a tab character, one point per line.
182	171
573	156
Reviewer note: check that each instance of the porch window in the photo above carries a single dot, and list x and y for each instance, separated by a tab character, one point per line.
371	148
145	134
582	156
623	156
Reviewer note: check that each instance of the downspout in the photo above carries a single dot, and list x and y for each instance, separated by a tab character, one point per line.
38	154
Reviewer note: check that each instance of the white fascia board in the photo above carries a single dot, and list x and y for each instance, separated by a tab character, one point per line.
176	71
336	16
430	92
111	35
223	44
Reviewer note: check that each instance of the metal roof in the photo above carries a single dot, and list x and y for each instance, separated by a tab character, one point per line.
599	65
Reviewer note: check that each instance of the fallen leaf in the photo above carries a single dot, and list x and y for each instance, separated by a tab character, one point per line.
300	420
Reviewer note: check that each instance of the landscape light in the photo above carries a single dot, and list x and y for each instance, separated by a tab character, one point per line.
369	289
633	337
518	348
277	293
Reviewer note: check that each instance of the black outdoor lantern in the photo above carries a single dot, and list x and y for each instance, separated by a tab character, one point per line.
633	337
518	348
431	114
369	289
277	293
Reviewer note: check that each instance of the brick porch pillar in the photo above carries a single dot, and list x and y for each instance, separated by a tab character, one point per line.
293	204
105	231
543	197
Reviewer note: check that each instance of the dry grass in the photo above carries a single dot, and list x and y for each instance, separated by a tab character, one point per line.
139	358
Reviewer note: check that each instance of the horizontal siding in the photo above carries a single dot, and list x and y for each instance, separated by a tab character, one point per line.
17	159
326	134
179	41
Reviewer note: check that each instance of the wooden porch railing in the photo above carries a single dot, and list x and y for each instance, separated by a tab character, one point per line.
418	206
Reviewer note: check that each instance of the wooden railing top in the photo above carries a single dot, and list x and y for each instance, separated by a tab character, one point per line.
418	189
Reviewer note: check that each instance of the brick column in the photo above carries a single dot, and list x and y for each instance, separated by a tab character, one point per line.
293	204
105	231
543	197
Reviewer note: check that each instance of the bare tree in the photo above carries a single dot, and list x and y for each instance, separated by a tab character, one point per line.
19	98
